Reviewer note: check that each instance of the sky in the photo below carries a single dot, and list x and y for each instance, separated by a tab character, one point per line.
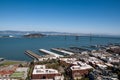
77	16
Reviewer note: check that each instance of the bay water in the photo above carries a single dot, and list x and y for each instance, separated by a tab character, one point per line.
14	48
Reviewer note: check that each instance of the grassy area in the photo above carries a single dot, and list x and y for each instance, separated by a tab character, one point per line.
50	64
17	75
10	63
53	65
84	79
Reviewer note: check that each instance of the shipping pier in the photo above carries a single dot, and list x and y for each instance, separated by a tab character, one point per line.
62	51
50	53
32	55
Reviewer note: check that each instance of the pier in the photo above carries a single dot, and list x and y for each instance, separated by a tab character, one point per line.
50	53
70	50
33	55
62	51
80	49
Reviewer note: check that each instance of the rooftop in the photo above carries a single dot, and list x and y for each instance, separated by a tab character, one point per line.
94	60
78	67
68	59
41	69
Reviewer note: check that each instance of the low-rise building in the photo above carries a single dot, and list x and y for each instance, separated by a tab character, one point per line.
67	61
47	57
114	49
41	72
76	69
80	70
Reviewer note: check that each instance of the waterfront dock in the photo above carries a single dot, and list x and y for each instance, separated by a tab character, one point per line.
80	49
50	53
32	54
62	51
70	50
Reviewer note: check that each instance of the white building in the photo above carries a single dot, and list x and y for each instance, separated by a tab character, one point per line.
40	72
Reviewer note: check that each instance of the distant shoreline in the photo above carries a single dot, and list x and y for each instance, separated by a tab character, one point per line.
12	32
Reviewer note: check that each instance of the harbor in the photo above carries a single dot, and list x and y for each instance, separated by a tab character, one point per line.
47	42
79	60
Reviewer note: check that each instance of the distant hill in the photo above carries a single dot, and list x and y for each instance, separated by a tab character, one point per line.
35	35
52	33
8	32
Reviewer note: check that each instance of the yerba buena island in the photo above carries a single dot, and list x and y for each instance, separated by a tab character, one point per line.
59	39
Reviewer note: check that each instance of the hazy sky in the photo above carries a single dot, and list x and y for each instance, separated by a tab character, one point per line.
83	16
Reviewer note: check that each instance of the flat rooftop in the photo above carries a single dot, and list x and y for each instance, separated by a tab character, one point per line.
41	69
78	67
